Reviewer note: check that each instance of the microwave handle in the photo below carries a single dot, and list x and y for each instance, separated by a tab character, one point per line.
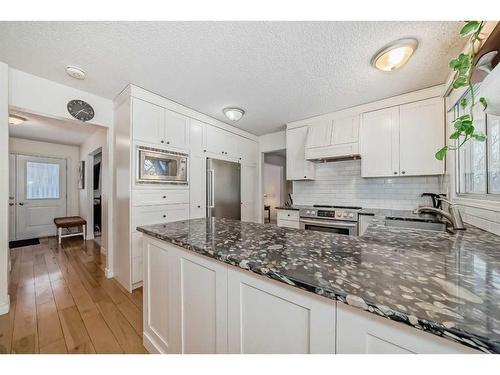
211	188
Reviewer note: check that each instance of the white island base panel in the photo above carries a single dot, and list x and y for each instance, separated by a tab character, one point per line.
194	304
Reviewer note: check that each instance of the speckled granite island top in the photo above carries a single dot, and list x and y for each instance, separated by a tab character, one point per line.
446	284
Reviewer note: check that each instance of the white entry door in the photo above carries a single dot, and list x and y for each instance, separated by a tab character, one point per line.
40	195
12	197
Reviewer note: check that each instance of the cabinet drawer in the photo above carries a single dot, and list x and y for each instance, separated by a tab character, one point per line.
147	215
156	197
288	215
136	270
288	223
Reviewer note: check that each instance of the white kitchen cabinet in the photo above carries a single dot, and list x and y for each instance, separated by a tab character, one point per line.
197	177
248	192
199	302
158	310
148	215
185	301
361	332
220	142
248	151
266	317
402	140
176	130
155	197
379	143
288	219
363	223
421	134
297	167
148	122
197	137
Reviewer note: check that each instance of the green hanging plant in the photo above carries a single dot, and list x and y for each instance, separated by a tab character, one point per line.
463	66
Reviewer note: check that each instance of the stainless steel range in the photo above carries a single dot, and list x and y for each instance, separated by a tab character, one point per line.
333	219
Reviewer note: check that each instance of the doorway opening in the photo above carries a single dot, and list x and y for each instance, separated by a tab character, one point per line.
277	191
57	170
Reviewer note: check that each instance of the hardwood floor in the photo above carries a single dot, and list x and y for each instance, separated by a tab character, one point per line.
61	302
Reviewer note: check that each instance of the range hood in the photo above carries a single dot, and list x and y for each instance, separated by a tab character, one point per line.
333	140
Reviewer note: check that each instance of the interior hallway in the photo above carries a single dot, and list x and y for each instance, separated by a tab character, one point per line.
61	302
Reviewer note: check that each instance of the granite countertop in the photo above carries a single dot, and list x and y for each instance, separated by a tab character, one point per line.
447	284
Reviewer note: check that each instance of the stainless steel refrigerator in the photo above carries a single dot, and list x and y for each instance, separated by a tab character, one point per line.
223	189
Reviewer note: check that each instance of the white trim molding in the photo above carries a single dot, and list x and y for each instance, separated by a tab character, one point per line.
5	306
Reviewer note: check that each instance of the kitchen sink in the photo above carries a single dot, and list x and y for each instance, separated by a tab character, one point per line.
416	223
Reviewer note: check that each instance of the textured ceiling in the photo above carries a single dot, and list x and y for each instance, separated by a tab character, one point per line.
40	128
277	71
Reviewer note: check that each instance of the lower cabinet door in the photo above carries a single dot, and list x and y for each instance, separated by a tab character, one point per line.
361	332
266	317
200	303
158	335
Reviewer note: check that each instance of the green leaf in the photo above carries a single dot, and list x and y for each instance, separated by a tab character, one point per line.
460	81
483	102
455	135
481	137
469	28
441	153
463	102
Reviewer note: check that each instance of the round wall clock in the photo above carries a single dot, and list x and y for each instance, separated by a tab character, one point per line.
80	110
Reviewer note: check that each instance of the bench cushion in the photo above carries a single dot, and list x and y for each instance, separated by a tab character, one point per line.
69	221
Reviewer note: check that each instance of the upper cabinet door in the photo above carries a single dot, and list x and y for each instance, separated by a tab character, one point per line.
319	134
379	143
197	137
345	130
421	135
297	167
216	140
176	130
148	122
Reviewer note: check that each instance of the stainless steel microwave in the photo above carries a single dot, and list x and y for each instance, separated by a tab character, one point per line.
161	166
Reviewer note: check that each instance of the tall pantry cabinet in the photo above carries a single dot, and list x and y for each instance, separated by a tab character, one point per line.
146	119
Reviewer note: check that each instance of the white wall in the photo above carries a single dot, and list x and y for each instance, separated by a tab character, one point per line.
272	141
52	150
4	189
40	96
340	183
94	142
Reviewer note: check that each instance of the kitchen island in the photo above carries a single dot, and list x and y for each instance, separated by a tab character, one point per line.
393	290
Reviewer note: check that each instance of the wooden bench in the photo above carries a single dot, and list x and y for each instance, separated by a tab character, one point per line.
70	222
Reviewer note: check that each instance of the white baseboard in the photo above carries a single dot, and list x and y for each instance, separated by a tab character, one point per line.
5	307
108	273
149	344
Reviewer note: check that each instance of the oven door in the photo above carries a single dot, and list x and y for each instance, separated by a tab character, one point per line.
161	167
331	226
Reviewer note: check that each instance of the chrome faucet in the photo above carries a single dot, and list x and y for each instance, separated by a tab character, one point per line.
453	214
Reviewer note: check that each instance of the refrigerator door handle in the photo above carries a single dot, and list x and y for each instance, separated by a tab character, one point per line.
211	185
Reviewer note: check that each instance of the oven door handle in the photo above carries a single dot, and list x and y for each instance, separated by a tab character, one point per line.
331	224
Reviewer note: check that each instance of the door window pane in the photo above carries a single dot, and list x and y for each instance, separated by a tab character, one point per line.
494	154
42	180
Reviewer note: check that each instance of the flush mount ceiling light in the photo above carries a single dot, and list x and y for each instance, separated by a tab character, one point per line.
75	72
233	114
16	120
395	55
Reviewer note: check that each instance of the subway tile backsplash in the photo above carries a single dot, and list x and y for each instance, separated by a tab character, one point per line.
341	183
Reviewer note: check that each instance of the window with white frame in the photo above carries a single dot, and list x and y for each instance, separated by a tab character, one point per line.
478	163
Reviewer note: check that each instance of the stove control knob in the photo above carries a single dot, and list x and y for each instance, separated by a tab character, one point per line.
308	212
345	214
351	215
313	212
339	214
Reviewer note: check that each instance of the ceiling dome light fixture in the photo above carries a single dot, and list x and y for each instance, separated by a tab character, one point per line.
16	120
395	55
75	72
233	113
